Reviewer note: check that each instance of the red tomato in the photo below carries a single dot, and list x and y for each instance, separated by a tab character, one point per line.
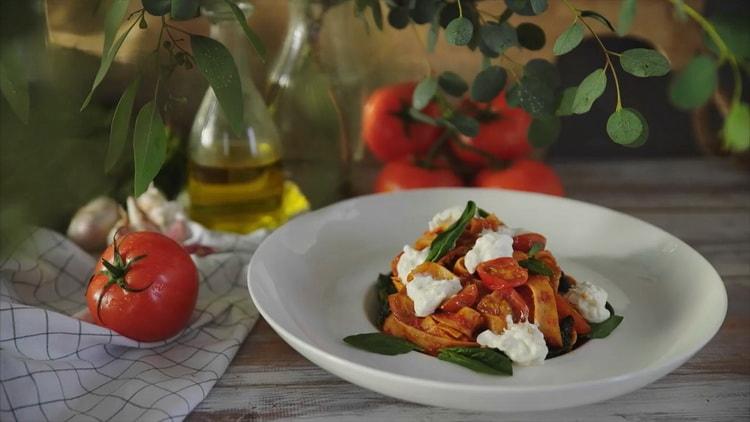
502	273
147	290
466	297
519	306
526	175
524	242
388	129
402	175
502	133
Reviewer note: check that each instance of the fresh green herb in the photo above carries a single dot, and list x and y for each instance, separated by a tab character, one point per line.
536	266
566	331
604	329
486	361
383	288
447	239
482	213
565	284
535	248
381	343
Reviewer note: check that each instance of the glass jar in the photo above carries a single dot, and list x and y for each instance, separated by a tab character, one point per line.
235	183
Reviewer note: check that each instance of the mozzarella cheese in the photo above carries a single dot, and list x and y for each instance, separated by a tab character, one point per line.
409	260
488	246
590	300
428	293
446	217
522	342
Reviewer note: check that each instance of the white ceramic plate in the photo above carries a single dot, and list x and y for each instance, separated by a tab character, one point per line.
312	280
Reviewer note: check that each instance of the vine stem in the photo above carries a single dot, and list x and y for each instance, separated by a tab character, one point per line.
724	52
608	61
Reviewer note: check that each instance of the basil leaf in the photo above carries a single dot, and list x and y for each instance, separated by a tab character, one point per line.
535	248
383	288
604	329
536	266
482	213
381	343
566	330
447	239
486	361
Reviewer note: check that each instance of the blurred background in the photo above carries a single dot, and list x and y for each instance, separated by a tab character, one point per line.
52	165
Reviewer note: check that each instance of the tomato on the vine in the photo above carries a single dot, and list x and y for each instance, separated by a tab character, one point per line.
525	175
502	273
389	130
502	133
403	174
144	286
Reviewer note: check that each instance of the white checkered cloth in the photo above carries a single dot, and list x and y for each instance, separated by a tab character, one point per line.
57	367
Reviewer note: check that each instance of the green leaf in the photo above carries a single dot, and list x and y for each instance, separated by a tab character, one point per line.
484	360
627	14
217	66
421	117
536	266
447	239
482	213
565	108
498	37
527	7
604	329
535	248
384	288
381	343
424	11
398	17
735	32
568	40
737	128
115	14
459	31
468	126
626	127
157	7
644	62
251	36
452	83
693	86
14	85
424	92
488	83
543	70
377	13
149	146
536	92
599	17
530	36
120	129
591	88
432	35
544	131
184	9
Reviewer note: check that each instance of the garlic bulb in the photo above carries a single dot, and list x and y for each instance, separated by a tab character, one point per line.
92	223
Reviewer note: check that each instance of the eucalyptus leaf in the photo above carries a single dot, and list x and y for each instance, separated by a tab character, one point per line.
432	35
478	359
543	70
459	31
627	14
736	129
251	36
569	39
544	131
467	125
377	13
565	108
536	92
507	13
381	343
530	36
424	92
625	127
424	11
488	83
184	9
421	117
217	66
398	17
157	7
604	329
498	37
693	86
446	240
527	7
14	85
734	31
149	146
120	129
536	266
111	44
591	88
598	17
452	83
644	62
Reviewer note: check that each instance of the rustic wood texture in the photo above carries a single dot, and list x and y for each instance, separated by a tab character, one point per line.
705	202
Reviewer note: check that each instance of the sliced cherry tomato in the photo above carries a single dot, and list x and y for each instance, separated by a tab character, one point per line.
524	242
502	273
525	175
466	297
520	308
403	174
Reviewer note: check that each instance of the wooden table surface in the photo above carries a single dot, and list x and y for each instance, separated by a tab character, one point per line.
705	202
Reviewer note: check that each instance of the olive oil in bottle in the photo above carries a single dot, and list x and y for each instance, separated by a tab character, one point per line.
235	181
